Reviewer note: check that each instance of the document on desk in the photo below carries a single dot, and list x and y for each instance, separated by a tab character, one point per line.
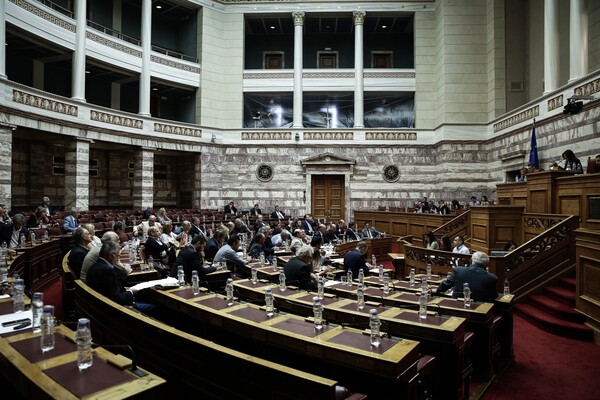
337	260
331	283
166	282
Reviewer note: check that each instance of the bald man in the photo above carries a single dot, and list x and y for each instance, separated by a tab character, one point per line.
92	256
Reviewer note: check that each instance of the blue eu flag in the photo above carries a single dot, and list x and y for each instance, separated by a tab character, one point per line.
533	154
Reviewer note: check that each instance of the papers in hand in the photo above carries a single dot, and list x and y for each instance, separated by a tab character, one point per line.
166	282
337	260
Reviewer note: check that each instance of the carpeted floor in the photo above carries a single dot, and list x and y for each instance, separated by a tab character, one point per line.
548	366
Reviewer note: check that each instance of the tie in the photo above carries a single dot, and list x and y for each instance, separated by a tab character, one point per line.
370	235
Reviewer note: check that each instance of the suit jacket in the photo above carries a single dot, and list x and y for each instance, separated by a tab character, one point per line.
155	248
230	210
103	278
255	211
329	237
191	260
483	284
258	225
354	260
76	258
305	226
351	235
374	233
211	248
297	272
275	216
70	223
196	230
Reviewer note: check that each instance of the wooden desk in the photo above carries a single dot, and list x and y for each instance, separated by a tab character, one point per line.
41	264
54	375
344	353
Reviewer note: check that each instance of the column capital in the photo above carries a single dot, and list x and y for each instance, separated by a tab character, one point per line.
358	16
298	18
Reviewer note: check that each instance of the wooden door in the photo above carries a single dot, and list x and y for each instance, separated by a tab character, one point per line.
327	197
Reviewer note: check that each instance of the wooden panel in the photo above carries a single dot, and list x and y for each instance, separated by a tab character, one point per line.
569	205
539	200
504	234
588	273
479	233
327	197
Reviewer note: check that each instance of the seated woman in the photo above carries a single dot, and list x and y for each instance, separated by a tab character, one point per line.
430	241
446	244
510	246
167	236
572	163
38	219
95	239
161	216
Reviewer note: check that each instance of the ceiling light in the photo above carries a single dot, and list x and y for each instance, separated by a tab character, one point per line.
158	7
154	88
272	26
383	26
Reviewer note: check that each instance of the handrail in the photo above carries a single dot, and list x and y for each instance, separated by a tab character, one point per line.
456	226
56	7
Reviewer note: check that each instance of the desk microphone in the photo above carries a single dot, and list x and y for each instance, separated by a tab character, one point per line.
134	369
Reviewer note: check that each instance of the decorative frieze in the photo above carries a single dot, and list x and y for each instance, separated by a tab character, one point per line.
44	15
530	113
328	136
177	130
391	136
116	119
555	102
328	75
395	75
43	103
588	89
113	44
175	64
268	75
266	135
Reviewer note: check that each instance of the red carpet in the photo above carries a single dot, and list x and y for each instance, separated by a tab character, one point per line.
548	366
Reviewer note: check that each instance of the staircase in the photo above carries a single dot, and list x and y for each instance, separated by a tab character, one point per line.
554	311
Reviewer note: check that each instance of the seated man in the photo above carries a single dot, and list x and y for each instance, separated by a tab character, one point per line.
298	270
94	254
119	229
103	278
355	260
482	283
351	233
459	246
255	211
142	229
230	209
191	257
82	238
258	223
307	224
228	253
16	233
277	214
331	235
297	240
159	251
196	229
214	244
70	222
593	165
369	232
280	238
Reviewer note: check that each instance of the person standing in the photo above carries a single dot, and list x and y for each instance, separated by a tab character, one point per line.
355	260
483	284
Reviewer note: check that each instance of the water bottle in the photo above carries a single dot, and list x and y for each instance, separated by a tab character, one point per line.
244	251
22	241
180	275
18	293
229	291
195	282
374	325
269	302
424	285
360	296
381	271
320	287
46	237
361	276
32	237
282	286
349	276
318	313
423	305
428	272
373	260
254	275
411	278
37	309
467	294
131	251
3	273
150	262
506	286
261	259
83	338
47	324
386	284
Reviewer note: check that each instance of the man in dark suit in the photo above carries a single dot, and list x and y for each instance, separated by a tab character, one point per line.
214	244
13	232
82	238
356	259
196	229
331	235
258	223
298	270
351	233
103	278
307	224
483	284
230	208
46	205
255	211
277	214
192	259
159	251
369	232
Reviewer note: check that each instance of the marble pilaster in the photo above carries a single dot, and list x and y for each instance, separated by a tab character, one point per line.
79	53
143	183
6	164
2	39
551	46
77	175
146	49
298	66
359	20
578	39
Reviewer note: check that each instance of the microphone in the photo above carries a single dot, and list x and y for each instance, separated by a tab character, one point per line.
133	369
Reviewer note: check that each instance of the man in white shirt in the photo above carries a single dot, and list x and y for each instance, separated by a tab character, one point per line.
459	246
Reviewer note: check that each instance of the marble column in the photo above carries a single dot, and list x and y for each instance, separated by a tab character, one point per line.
146	49
578	40
3	39
143	183
551	46
78	74
6	163
298	66
77	175
359	20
